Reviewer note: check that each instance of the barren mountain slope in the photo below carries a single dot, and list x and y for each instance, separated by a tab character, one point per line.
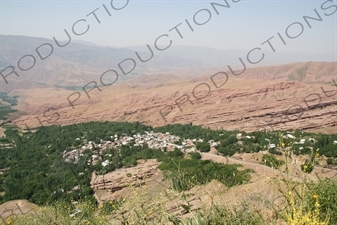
307	72
241	103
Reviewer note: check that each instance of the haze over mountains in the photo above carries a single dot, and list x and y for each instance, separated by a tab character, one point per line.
237	94
245	102
79	62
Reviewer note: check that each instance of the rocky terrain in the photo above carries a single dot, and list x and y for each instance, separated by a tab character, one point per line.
115	183
242	103
145	182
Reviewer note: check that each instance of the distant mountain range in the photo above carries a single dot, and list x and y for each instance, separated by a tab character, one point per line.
209	57
82	62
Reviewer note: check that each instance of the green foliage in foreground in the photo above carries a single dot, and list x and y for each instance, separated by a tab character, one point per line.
223	215
85	211
112	213
271	161
115	212
326	193
241	214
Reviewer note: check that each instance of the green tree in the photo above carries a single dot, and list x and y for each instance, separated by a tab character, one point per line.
203	146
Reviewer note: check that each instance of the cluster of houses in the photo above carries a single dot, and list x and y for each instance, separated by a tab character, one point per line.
160	141
288	135
153	140
7	145
302	141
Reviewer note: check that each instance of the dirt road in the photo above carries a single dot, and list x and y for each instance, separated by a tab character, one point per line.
263	170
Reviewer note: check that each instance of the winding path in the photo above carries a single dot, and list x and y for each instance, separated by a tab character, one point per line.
264	170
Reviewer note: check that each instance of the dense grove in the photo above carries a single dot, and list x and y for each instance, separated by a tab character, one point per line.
229	145
33	167
35	170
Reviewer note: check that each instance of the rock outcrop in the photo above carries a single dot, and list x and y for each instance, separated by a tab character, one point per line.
127	177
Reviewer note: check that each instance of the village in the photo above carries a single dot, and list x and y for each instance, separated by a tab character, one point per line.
160	141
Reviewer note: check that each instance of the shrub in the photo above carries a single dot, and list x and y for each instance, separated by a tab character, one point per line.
203	146
325	193
227	151
271	161
237	214
175	153
229	141
110	206
181	182
307	167
275	152
195	155
331	161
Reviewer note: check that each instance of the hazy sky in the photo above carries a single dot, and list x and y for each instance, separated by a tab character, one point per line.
245	25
